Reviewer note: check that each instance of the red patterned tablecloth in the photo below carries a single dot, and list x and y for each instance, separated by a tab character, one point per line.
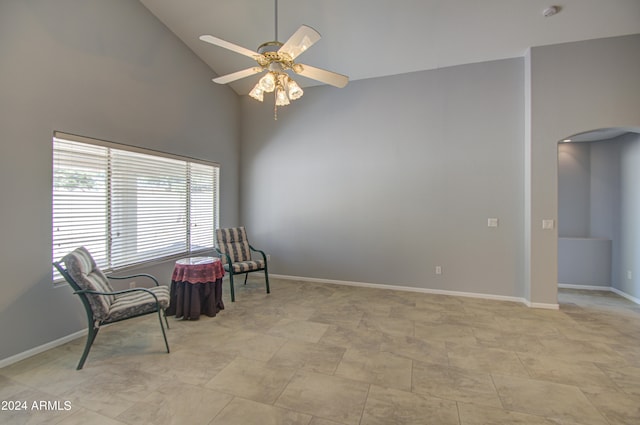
196	287
198	270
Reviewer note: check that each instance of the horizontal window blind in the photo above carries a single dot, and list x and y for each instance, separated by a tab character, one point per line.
204	191
130	206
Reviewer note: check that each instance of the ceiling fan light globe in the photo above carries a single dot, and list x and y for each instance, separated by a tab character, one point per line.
295	92
281	97
257	93
267	83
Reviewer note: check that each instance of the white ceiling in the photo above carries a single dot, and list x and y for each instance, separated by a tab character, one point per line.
373	38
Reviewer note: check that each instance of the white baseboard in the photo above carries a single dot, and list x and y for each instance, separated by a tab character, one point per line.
601	288
37	350
625	295
587	287
545	306
415	289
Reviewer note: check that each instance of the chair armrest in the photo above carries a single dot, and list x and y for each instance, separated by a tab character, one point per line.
264	256
124	291
136	275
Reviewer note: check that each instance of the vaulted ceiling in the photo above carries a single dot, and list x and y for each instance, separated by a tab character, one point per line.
373	38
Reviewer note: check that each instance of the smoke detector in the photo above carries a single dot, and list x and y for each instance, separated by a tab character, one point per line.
550	11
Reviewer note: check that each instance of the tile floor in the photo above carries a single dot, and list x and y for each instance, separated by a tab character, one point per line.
318	354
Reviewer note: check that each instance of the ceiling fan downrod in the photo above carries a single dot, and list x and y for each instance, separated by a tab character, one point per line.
276	20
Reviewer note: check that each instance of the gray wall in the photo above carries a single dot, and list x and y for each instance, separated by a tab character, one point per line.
383	180
606	184
104	69
574	189
584	262
572	88
629	240
615	206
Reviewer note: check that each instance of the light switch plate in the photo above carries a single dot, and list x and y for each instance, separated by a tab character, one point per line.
492	222
547	224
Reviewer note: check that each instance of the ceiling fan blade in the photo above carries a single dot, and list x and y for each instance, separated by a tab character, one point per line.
300	41
230	46
328	77
224	79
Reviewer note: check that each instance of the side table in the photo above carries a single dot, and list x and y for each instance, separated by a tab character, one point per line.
196	287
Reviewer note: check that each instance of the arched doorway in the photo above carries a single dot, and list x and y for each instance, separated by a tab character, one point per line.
599	211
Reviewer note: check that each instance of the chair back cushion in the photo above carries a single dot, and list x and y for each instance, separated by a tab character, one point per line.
233	241
83	269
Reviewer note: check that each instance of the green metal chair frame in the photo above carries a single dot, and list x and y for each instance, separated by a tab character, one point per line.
228	265
93	324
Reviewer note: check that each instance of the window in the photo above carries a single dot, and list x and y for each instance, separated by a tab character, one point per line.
128	205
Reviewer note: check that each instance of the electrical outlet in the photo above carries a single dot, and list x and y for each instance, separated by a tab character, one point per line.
492	222
438	269
629	275
268	258
132	284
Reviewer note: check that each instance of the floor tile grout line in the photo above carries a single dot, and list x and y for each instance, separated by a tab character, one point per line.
364	405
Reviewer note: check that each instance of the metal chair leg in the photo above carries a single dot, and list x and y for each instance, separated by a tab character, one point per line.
266	279
164	334
233	295
91	336
164	313
246	275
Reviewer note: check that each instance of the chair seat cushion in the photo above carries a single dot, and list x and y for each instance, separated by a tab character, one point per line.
137	302
246	266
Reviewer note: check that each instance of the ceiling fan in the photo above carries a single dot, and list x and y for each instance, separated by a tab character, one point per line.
277	59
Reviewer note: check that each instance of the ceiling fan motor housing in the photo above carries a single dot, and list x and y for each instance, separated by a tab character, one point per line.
269	46
272	59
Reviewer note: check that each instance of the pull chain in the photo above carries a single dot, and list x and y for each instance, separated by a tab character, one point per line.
275	112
